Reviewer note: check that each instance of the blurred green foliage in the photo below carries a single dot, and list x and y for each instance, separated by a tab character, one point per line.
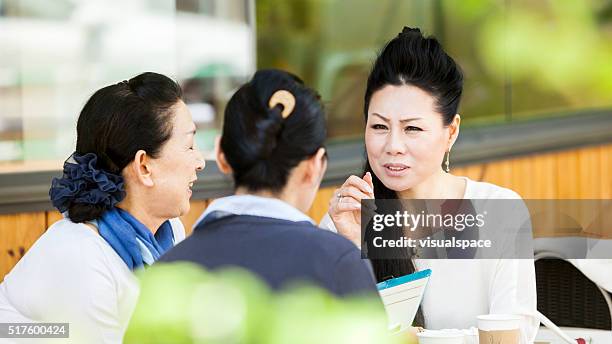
522	59
182	303
559	48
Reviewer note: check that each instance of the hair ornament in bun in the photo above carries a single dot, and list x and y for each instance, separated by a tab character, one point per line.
83	182
284	98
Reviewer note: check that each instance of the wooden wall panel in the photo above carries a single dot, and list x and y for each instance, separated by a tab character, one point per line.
605	168
474	172
17	234
589	179
581	173
189	219
568	181
543	172
321	203
52	217
499	172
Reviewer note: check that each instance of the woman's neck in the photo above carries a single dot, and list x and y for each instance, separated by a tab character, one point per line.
141	214
440	185
287	197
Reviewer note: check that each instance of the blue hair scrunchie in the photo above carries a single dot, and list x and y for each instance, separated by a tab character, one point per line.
82	182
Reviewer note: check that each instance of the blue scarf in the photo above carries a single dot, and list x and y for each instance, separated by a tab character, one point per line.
132	241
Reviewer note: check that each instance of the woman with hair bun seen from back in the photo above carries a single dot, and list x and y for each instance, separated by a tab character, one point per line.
272	145
411	123
121	194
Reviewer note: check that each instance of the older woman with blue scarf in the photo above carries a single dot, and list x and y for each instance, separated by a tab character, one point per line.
121	193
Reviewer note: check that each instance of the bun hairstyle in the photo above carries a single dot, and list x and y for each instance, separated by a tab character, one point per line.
116	122
262	141
412	59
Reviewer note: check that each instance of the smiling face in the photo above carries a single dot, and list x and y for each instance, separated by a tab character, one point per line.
174	171
405	136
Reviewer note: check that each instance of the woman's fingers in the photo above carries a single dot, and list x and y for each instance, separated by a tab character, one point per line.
348	197
353	192
368	179
360	184
345	200
348	204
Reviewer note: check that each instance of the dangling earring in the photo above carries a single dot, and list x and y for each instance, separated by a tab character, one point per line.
447	169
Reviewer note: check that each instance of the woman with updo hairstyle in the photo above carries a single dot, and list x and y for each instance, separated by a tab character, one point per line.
411	110
121	194
273	145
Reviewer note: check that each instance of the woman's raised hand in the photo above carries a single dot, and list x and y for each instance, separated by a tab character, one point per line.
345	206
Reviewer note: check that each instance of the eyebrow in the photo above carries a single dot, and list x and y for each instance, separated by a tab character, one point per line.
401	120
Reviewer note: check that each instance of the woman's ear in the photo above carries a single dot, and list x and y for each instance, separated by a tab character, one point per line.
222	163
141	168
454	131
317	164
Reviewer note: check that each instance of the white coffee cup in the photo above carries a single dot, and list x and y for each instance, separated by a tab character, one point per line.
440	337
499	328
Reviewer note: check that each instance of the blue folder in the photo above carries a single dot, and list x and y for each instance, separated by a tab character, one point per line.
403	279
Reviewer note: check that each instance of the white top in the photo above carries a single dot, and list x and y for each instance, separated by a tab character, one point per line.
71	274
461	289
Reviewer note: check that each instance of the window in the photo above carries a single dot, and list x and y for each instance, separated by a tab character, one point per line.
55	54
522	59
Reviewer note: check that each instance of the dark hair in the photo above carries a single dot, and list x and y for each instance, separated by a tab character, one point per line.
261	147
121	119
412	59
